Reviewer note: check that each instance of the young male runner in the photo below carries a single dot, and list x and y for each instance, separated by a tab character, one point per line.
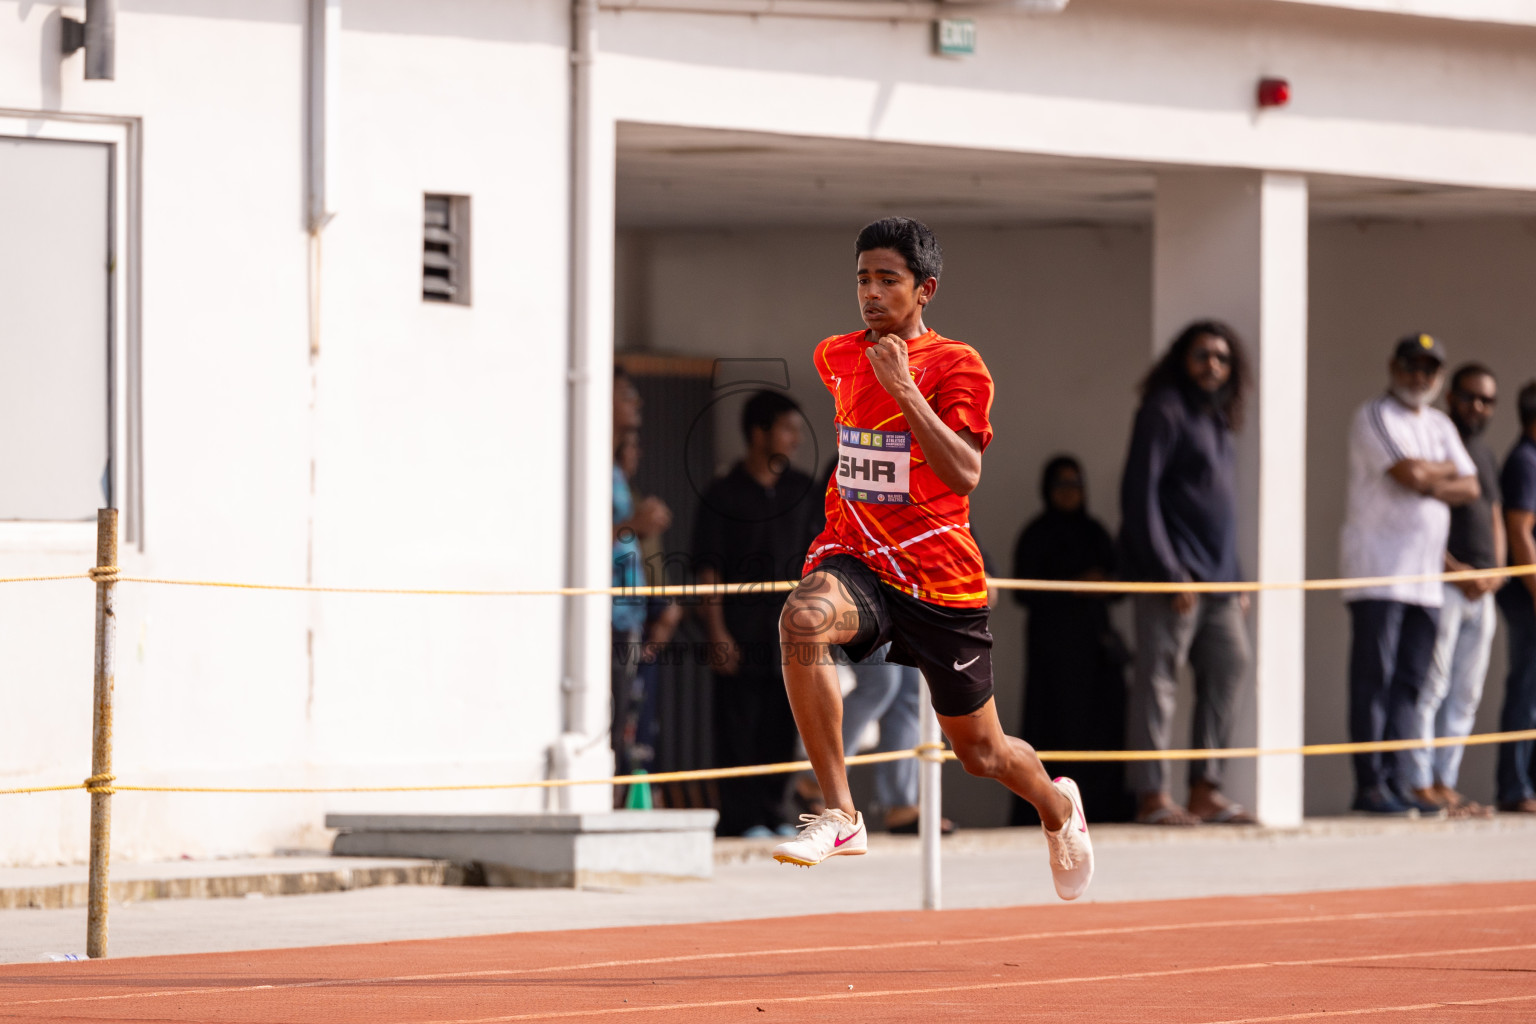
897	562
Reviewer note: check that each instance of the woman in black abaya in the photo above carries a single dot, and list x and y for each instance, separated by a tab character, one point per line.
1074	661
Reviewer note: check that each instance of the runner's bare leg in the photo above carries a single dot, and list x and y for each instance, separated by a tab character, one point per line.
819	613
984	749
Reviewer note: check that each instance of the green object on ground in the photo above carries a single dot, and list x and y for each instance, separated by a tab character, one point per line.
639	796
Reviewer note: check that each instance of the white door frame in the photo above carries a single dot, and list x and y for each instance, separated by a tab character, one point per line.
124	137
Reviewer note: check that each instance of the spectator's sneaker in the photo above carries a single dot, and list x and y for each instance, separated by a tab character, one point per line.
1071	850
828	834
1381	803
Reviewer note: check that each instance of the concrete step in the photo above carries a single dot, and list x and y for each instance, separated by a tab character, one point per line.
558	850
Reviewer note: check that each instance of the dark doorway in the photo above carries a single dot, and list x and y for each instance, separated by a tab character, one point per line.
677	438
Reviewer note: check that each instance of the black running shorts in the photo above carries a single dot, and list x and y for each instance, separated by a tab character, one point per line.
952	646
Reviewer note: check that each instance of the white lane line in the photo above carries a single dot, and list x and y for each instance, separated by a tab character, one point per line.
944	989
1411	1008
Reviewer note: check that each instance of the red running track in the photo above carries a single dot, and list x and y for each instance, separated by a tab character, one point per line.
1419	956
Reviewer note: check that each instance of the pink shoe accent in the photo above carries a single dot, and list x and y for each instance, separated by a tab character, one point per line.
839	842
1075	811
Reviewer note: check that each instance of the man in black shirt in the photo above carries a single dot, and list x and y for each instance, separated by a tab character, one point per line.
1517	485
1454	686
754	526
1178	516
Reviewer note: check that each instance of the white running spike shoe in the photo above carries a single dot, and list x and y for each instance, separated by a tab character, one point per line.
828	834
1071	850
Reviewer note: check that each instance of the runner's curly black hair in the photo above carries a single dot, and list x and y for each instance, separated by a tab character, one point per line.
909	237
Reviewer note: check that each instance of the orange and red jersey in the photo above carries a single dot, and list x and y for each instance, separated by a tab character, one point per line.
885	504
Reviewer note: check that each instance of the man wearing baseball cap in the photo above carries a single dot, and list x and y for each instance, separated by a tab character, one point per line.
1407	468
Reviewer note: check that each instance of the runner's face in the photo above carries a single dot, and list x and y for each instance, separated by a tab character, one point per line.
891	300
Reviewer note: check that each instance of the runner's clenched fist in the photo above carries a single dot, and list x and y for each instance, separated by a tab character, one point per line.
888	356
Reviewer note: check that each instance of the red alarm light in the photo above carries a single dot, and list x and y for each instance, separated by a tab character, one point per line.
1274	92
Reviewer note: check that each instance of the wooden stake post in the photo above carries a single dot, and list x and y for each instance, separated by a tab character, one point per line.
99	785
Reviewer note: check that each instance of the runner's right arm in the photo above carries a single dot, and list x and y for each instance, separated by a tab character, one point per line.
954	455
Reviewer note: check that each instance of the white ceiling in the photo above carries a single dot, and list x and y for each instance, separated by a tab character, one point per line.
688	177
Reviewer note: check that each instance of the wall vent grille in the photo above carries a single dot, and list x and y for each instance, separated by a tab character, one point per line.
445	249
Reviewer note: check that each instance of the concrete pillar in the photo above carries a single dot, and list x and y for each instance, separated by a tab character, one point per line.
1233	245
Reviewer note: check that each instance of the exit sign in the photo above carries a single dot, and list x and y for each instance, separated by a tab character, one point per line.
954	37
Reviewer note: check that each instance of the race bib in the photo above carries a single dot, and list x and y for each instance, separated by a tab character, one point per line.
874	465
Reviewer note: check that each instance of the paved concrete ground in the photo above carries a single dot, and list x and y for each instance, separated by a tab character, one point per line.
1005	867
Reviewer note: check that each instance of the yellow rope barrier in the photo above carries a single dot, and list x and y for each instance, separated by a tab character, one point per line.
100	783
669	590
1117	587
113	574
923	752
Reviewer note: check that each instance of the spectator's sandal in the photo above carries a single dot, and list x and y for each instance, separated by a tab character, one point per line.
1171	816
1230	814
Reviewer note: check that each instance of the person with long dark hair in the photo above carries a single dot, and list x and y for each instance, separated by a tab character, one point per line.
1178	503
1074	659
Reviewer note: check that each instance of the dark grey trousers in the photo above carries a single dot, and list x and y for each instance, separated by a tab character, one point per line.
1213	640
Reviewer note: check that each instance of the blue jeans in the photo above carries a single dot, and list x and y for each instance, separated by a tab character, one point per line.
892	695
1391	647
1514	773
1454	688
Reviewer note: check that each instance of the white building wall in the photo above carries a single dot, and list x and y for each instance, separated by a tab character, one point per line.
437	431
439	427
204	679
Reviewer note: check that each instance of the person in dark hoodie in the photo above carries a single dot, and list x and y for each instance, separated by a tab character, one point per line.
1178	504
1074	659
